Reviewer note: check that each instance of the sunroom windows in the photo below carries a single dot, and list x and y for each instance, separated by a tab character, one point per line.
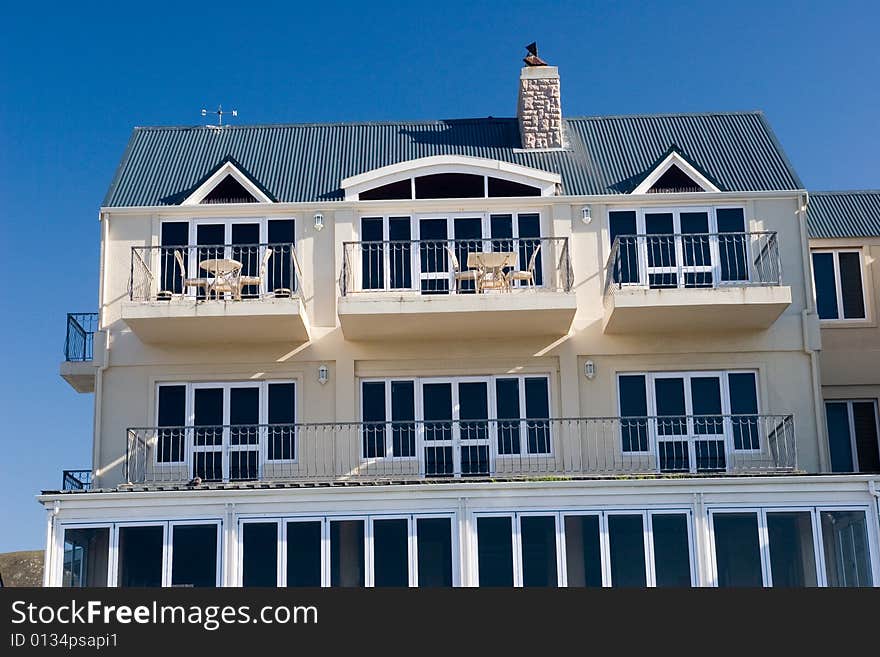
692	421
838	282
790	547
456	426
432	253
356	551
225	431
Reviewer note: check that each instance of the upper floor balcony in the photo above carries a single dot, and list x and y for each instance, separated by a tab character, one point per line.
440	288
215	293
694	281
80	363
517	448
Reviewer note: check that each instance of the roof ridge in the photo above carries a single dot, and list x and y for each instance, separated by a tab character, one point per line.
472	119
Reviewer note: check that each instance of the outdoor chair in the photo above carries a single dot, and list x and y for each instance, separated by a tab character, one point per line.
527	275
258	280
460	274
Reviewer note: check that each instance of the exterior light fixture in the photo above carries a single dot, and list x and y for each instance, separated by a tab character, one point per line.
586	214
589	369
319	221
323	374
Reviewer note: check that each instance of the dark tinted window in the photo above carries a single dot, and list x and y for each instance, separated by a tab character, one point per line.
826	291
279	273
86	552
281	412
495	551
403	414
850	265
172	413
450	185
583	556
626	541
373	402
434	539
347	553
390	552
792	558
538	536
672	563
194	555
744	410
402	189
400	256
499	187
304	553
259	554
633	404
865	425
140	556
507	404
839	438
737	554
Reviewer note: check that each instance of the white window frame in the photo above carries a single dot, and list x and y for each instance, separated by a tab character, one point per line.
815	512
189	425
418	383
647	516
852	426
369	547
691	436
838	284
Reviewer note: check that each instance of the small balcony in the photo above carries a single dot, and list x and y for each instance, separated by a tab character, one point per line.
477	288
80	365
693	282
213	294
73	480
517	448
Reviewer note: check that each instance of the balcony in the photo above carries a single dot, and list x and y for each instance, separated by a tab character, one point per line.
443	450
80	366
76	480
216	294
693	282
453	288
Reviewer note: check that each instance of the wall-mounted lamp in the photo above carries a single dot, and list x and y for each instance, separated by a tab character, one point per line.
319	221
323	374
589	369
586	214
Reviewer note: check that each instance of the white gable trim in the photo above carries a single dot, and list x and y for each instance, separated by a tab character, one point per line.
543	180
674	159
228	169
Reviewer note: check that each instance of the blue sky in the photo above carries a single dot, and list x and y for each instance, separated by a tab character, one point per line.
75	78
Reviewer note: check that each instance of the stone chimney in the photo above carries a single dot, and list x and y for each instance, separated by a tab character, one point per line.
539	108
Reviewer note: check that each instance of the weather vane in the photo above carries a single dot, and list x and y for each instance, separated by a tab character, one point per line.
219	113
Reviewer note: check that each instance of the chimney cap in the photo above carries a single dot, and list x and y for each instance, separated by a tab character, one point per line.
532	58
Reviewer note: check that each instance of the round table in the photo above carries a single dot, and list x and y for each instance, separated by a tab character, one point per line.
492	264
227	275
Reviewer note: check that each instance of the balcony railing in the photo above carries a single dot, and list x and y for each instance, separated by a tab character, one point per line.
80	337
457	266
222	271
419	450
693	260
76	480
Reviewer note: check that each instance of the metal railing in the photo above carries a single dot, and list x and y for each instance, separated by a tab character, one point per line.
419	450
163	273
693	260
76	480
80	337
457	266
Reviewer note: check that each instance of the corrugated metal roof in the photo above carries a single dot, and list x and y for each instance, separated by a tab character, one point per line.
844	214
306	162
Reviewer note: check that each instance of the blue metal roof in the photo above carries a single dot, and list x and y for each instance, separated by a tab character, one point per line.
844	214
306	162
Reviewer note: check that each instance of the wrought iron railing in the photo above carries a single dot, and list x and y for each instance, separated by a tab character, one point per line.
222	271
76	480
693	260
80	336
457	266
512	448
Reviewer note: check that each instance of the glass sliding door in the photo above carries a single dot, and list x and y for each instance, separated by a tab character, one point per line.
539	550
626	545
671	548
696	249
140	552
86	555
737	549
259	554
347	556
583	551
847	552
662	254
304	553
473	428
468	233
194	555
437	430
434	256
391	552
434	547
244	433
208	416
792	554
495	550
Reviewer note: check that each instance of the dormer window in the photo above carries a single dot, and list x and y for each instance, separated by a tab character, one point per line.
675	175
449	176
227	184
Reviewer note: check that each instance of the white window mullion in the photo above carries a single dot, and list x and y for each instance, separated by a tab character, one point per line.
605	549
764	547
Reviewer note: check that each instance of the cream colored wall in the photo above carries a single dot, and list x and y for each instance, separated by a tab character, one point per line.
133	368
851	349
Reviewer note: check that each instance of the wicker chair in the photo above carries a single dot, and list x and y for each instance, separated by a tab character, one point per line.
258	280
529	274
460	274
188	282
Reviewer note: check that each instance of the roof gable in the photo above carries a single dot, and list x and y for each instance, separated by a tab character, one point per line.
226	183
675	173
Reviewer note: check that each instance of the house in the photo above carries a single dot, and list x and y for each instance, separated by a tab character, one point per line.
529	351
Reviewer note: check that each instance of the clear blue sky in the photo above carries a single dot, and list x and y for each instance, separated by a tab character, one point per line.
75	78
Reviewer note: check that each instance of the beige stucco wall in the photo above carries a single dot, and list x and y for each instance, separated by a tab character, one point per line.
126	387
